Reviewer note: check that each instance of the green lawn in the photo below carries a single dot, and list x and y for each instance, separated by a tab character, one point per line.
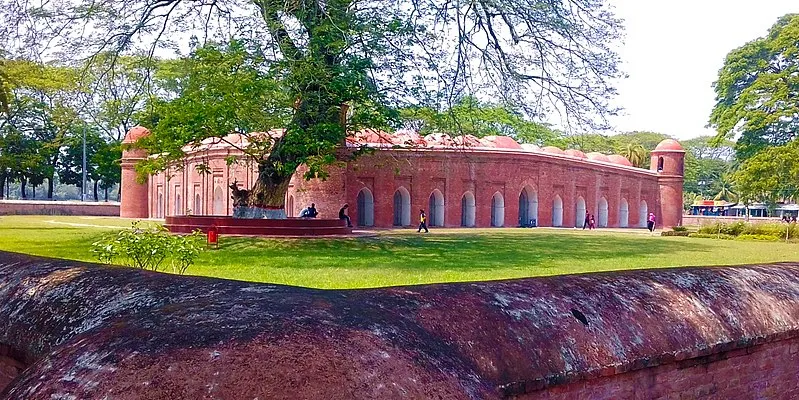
403	257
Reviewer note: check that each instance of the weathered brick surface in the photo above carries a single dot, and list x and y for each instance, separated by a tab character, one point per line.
88	332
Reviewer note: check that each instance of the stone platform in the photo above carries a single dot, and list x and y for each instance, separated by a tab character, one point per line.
258	227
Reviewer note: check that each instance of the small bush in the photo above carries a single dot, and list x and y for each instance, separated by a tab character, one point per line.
723	236
710	229
148	247
675	233
679	229
764	238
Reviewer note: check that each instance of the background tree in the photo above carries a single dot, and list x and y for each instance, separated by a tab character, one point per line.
757	92
368	56
770	176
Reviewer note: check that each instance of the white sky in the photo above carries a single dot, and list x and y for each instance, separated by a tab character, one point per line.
673	51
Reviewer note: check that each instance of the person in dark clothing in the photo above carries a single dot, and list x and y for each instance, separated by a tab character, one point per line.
650	223
309	212
422	222
591	222
587	220
342	214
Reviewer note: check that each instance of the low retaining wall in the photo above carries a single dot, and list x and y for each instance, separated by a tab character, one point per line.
90	332
33	207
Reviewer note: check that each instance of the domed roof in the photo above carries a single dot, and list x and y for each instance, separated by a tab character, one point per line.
500	142
552	149
669	145
467	141
407	138
575	153
439	139
530	147
597	157
136	133
620	159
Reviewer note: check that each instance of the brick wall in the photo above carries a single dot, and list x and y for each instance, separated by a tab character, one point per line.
31	207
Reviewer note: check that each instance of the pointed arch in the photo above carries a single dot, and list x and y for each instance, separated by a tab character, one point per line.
497	210
219	201
402	207
366	208
643	214
467	209
435	208
602	213
198	204
624	213
579	212
290	206
159	207
557	211
528	207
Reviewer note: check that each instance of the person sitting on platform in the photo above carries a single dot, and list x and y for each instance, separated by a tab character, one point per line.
309	212
342	214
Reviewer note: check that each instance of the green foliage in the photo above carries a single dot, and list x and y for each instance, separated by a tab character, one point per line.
675	233
470	116
147	247
756	93
679	229
770	175
763	238
749	231
722	236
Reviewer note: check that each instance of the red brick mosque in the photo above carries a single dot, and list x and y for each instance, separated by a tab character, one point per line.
459	181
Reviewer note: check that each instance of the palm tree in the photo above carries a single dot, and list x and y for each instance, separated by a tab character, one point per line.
635	153
726	191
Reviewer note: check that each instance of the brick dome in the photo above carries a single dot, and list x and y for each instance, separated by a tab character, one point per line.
620	159
597	157
530	147
552	149
135	133
669	145
467	141
575	153
500	142
438	139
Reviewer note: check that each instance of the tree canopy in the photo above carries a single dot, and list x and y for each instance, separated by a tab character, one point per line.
757	91
363	58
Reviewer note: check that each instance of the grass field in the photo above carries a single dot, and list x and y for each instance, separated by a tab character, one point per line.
401	257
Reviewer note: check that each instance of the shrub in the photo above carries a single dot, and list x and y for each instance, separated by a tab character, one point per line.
148	247
723	236
675	233
765	238
710	229
679	229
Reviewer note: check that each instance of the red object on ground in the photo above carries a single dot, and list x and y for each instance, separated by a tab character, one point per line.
213	237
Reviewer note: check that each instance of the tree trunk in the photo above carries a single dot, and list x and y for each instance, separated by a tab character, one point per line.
34	192
22	188
3	180
106	193
95	191
50	186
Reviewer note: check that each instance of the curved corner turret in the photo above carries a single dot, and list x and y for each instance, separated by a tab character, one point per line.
135	196
668	160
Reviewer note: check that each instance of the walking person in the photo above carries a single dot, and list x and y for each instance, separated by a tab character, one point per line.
650	223
422	222
591	222
342	214
587	220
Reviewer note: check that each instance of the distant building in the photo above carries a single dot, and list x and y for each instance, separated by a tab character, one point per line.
461	182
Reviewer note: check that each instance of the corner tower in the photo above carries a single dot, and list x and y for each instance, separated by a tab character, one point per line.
668	160
134	201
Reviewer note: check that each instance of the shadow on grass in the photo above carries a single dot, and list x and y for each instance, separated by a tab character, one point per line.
463	252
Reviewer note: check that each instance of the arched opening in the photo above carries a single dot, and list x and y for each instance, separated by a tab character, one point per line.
366	208
289	208
219	201
643	214
602	213
660	164
528	207
436	208
624	213
467	209
579	213
557	211
159	208
178	210
497	210
198	204
402	207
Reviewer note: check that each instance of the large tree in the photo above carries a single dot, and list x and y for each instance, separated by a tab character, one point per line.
757	91
368	56
770	176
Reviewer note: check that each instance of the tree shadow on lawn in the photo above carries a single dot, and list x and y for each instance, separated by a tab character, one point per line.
463	252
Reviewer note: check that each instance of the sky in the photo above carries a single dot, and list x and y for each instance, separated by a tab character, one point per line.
672	53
